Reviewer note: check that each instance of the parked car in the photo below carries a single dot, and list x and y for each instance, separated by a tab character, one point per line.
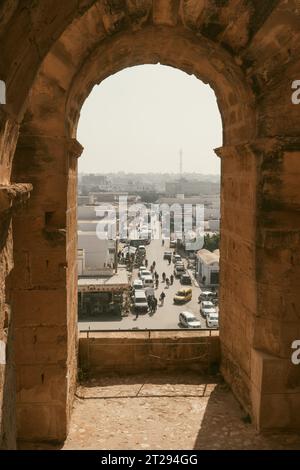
191	264
149	291
212	320
147	280
140	300
168	255
142	250
182	296
137	284
207	307
173	243
141	270
186	279
179	270
145	273
188	320
206	295
176	258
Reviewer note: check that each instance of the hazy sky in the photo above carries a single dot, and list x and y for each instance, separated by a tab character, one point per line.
138	119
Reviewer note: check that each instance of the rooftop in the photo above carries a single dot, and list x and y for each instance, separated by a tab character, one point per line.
208	257
117	280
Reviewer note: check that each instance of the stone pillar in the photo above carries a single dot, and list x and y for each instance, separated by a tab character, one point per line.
275	381
43	288
238	266
10	196
260	274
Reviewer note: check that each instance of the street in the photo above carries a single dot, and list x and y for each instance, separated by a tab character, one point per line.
166	317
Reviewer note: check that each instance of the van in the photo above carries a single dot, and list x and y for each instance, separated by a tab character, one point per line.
188	320
182	296
148	281
212	320
140	300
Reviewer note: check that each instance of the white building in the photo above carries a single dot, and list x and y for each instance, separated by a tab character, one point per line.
207	267
95	257
96	253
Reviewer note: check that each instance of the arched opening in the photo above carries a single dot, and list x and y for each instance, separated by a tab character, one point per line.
149	134
44	235
47	152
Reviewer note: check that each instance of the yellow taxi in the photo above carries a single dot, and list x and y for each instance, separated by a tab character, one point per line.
182	296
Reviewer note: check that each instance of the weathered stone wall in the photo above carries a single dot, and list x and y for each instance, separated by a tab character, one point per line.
11	196
52	54
138	352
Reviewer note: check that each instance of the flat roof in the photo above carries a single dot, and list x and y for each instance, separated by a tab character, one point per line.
117	281
208	257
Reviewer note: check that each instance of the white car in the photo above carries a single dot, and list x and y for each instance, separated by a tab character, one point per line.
188	320
207	307
207	295
141	270
145	273
140	300
212	320
148	281
138	284
142	249
176	259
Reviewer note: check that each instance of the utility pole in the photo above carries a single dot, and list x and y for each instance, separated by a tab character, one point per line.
180	163
116	255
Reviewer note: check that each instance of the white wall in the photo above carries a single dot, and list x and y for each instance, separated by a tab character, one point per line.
96	253
206	270
87	213
214	225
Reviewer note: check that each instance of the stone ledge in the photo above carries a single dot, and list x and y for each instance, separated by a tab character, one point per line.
14	195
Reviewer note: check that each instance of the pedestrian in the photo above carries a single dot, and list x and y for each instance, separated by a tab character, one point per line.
169	261
163	242
168	282
162	298
146	262
163	277
151	268
154	264
172	279
137	315
156	283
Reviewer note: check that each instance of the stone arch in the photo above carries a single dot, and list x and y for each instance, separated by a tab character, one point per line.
237	48
47	140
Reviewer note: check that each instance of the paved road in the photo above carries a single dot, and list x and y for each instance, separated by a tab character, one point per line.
165	317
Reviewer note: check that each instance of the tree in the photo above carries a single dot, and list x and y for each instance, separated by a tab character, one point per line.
212	242
148	196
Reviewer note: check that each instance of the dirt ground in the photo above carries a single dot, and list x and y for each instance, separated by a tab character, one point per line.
172	411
